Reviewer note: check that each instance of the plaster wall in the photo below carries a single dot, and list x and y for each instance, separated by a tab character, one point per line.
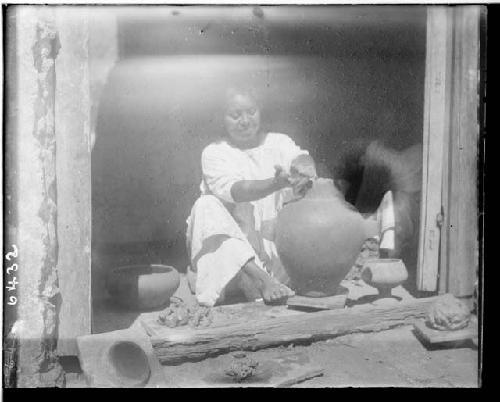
161	105
36	48
73	135
50	129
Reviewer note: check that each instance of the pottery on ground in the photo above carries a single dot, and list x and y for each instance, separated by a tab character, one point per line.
318	239
384	274
143	287
129	364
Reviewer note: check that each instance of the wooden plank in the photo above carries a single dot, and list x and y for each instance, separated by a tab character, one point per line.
437	95
302	374
305	374
323	303
443	255
72	118
462	226
319	303
434	336
192	345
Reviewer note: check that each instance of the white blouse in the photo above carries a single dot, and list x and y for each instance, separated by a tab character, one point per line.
223	164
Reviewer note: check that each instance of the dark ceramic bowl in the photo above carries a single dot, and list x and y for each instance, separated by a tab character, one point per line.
143	287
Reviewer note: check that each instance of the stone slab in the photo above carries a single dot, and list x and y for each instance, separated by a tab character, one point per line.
434	336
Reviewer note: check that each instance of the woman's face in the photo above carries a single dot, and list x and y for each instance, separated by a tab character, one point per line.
242	120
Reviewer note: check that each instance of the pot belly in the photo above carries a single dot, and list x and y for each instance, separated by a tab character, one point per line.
318	245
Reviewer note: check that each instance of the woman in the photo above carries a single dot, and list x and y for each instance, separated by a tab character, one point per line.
247	176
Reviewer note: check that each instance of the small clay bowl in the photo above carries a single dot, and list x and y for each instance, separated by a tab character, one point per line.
384	274
143	287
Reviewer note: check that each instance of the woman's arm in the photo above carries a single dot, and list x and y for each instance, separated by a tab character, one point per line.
252	190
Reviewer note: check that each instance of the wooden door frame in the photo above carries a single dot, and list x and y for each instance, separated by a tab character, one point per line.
437	101
448	248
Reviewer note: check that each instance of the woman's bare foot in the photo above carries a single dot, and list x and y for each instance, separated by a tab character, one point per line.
271	290
275	292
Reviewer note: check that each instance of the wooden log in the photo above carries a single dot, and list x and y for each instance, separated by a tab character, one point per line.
193	345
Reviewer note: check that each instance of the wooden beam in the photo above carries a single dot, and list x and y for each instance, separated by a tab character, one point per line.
436	126
198	344
461	225
443	255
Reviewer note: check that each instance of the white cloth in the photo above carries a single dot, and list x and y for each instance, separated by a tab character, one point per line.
218	248
387	222
381	225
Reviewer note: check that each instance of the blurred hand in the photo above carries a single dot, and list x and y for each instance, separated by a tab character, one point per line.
302	174
281	177
303	165
300	185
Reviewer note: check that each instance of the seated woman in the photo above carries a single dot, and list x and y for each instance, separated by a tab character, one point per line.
247	176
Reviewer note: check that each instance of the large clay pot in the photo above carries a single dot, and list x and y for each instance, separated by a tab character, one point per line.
318	239
143	287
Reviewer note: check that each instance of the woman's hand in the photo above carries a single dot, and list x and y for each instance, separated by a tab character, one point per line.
281	178
303	165
302	174
300	185
252	190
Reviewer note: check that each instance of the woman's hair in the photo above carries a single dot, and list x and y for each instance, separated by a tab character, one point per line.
232	92
228	95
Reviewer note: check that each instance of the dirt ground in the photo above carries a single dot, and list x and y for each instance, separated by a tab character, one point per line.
392	358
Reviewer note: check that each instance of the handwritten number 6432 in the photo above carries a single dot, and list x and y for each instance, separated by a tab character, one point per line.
13	267
11	254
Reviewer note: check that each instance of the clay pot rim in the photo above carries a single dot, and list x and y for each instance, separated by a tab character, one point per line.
136	268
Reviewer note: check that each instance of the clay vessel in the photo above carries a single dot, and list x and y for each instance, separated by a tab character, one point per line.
128	364
318	239
143	287
384	274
